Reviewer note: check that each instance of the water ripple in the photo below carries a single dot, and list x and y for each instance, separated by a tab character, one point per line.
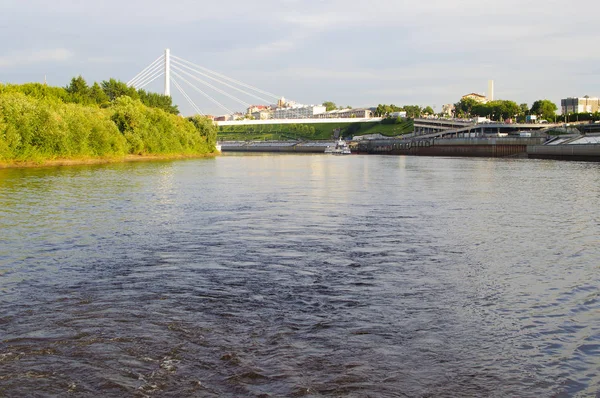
301	276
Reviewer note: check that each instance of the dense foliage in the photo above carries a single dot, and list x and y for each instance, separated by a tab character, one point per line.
412	111
544	108
494	110
331	106
78	92
502	110
38	122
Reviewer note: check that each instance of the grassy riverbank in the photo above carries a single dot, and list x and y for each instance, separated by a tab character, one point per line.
46	125
316	131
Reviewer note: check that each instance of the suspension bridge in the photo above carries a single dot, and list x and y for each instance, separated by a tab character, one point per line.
182	73
185	75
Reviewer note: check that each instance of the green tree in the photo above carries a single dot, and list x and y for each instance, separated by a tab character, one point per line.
39	91
464	107
156	100
329	106
383	110
115	89
79	90
78	85
544	108
524	109
206	128
379	111
505	109
428	110
98	95
413	111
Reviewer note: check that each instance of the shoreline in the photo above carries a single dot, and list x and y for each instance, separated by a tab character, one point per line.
102	160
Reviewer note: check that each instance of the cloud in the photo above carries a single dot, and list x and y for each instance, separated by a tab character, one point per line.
275	46
430	51
105	60
35	57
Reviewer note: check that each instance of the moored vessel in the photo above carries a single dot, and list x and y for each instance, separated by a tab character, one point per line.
340	148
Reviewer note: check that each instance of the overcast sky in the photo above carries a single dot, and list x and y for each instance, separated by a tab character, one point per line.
358	53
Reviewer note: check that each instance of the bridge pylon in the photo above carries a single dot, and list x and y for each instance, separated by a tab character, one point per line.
168	72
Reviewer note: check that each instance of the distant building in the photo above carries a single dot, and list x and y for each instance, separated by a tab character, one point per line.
257	108
299	112
262	115
346	113
448	109
579	105
482	99
401	114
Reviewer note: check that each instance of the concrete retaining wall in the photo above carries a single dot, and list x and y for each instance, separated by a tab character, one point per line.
467	147
589	152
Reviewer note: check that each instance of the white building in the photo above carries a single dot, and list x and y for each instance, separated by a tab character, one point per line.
448	109
262	115
346	113
400	114
299	112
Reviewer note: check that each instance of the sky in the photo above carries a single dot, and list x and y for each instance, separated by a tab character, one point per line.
356	53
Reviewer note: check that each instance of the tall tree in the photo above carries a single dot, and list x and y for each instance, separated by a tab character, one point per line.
464	107
160	101
78	85
79	90
98	95
205	127
115	89
329	106
413	111
524	109
544	108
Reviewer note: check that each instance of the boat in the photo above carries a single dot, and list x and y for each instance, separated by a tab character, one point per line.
340	148
218	147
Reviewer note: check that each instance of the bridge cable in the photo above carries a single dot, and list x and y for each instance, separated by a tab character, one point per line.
156	64
203	93
145	70
227	78
211	86
150	79
150	73
146	75
187	97
220	81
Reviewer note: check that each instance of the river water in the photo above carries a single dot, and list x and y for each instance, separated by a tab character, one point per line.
301	275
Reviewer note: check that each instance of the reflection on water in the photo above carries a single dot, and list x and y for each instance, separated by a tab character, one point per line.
287	275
